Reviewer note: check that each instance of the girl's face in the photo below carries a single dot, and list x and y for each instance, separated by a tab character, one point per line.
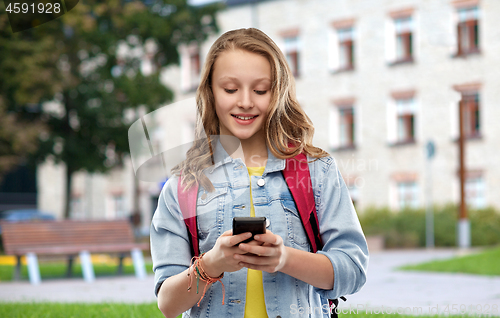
241	84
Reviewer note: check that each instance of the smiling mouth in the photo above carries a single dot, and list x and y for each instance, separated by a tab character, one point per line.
244	118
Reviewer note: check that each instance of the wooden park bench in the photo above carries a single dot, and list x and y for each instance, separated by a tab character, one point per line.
71	238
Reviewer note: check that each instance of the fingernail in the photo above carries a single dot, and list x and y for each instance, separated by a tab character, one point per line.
256	237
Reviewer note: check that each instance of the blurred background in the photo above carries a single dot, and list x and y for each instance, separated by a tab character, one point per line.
384	82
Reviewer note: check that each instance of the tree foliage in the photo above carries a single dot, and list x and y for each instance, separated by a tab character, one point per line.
82	75
17	140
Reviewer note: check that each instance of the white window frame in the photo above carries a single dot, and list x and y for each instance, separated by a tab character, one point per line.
334	38
390	41
333	128
473	185
405	106
77	207
408	26
411	187
392	119
347	33
342	139
333	50
291	44
334	124
464	14
458	92
391	36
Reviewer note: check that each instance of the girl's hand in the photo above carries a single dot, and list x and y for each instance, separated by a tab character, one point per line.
269	257
221	258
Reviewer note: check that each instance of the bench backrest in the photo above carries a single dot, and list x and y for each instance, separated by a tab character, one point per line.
20	235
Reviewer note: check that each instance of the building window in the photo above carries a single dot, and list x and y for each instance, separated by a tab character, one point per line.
475	191
404	45
76	207
292	53
190	66
402	122
346	48
468	31
471	119
407	194
194	68
343	130
404	191
116	205
341	45
405	109
347	129
471	111
400	36
119	205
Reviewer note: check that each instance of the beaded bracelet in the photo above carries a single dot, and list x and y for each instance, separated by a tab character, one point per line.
197	270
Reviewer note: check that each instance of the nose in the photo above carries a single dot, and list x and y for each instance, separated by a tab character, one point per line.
245	99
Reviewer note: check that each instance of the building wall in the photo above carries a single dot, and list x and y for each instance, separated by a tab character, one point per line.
51	184
375	163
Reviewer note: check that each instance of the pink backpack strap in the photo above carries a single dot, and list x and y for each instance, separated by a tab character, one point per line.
298	179
187	203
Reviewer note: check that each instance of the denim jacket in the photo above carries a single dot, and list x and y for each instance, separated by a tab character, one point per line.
285	296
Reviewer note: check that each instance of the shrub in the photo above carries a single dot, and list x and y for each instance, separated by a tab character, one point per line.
406	228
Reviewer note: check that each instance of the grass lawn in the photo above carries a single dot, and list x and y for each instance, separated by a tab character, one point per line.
483	263
53	310
58	270
57	310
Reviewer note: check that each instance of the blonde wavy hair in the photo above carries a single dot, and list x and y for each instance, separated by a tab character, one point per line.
288	129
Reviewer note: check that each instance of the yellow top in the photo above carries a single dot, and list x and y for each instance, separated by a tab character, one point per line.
255	305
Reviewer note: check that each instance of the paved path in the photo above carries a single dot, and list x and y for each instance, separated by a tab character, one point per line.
387	290
390	290
126	289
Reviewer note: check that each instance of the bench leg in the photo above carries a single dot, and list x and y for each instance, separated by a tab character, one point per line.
33	269
87	268
69	270
119	271
17	270
139	267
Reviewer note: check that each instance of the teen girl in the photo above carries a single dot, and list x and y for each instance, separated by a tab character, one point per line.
247	93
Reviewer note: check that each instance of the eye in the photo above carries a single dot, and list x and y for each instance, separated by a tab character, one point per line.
260	92
230	91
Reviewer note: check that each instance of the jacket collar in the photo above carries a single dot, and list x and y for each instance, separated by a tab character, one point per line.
221	157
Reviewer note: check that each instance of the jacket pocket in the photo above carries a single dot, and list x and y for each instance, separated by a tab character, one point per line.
296	232
209	209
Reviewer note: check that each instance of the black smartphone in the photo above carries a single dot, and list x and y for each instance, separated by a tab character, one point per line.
255	225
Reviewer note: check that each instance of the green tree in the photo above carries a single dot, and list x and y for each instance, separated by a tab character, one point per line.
74	61
19	128
17	141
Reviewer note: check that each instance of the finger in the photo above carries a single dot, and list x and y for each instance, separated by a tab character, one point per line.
264	268
255	249
227	233
251	243
250	259
235	239
254	243
269	238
